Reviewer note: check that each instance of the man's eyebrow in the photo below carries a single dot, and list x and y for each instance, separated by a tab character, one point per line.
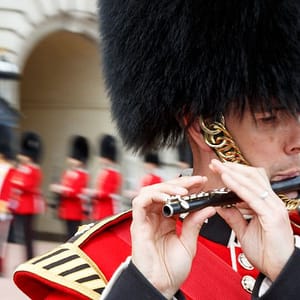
279	107
272	109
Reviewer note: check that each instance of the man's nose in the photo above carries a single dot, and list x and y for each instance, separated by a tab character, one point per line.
293	145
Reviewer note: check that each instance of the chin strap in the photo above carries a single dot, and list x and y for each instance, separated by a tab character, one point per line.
220	140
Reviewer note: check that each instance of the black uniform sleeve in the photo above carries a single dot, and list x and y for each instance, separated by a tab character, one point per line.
131	284
286	286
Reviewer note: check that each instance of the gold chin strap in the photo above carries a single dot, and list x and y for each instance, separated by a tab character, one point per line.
290	204
218	138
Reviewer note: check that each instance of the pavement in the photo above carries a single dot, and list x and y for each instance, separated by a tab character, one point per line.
14	255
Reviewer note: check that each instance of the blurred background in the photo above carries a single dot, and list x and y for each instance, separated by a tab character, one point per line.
51	83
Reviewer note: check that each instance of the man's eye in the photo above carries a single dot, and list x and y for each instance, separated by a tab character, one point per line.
268	119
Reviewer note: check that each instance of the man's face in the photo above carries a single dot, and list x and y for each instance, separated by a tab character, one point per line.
73	163
23	159
269	140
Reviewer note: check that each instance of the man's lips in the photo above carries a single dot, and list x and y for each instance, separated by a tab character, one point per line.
292	176
285	175
292	195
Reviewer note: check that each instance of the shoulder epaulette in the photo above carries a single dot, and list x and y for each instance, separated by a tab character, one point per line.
68	266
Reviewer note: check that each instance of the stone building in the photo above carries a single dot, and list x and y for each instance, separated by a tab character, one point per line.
55	45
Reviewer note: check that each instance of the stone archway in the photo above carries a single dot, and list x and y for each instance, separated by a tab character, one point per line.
61	94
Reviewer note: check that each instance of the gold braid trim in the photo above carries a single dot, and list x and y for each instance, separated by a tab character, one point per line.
290	204
69	267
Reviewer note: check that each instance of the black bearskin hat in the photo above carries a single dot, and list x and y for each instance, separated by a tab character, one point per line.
79	148
108	147
31	146
152	157
6	138
163	59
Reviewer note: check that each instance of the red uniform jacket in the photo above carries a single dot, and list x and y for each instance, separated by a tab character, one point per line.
150	179
108	184
295	221
26	189
80	269
70	207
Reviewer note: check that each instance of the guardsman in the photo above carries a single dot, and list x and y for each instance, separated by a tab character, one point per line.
226	73
74	180
26	198
105	197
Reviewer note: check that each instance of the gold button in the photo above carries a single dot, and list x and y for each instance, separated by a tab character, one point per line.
248	283
244	262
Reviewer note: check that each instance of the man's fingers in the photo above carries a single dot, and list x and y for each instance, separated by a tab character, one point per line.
234	219
159	193
251	185
191	227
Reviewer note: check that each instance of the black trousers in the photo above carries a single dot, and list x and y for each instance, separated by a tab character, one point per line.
23	226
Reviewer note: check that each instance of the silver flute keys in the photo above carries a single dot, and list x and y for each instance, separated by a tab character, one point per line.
225	198
181	204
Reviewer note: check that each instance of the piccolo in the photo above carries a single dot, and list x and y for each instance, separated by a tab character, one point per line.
223	197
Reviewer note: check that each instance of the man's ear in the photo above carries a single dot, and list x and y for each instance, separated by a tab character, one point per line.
195	135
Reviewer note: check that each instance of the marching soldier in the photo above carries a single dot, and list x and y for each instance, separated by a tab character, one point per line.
74	180
151	166
26	198
109	180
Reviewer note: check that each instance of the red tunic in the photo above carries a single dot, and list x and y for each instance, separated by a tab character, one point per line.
108	184
150	179
26	189
70	207
107	246
295	221
6	174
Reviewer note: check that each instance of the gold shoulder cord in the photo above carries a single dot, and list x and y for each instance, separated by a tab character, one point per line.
220	140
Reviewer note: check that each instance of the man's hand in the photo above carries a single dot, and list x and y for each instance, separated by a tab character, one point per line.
163	255
267	239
